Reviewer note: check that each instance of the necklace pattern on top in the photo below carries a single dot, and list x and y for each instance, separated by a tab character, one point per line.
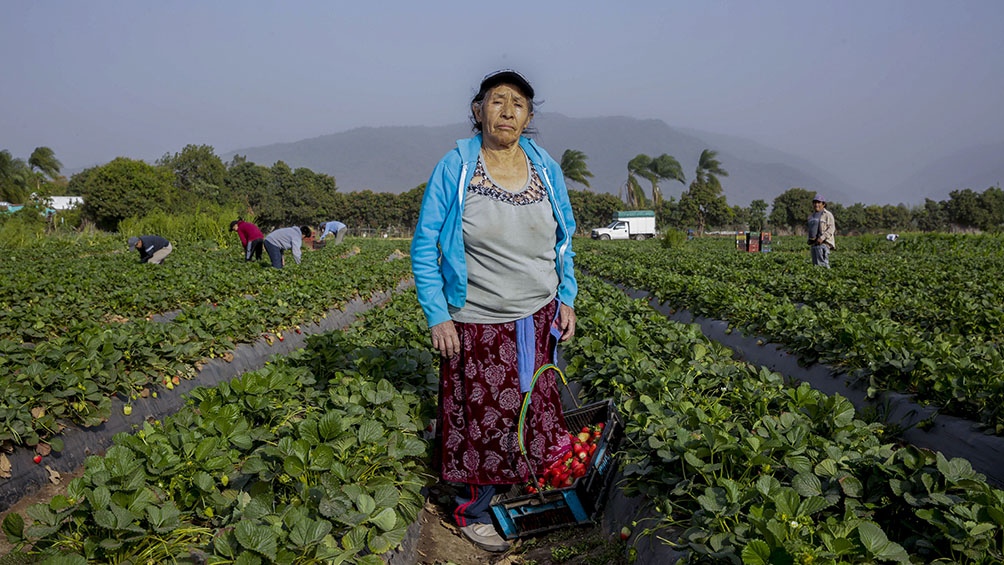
482	184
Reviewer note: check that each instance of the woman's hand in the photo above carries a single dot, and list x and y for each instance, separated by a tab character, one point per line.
445	339
566	321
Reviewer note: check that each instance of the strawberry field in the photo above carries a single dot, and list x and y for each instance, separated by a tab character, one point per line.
81	320
923	315
320	457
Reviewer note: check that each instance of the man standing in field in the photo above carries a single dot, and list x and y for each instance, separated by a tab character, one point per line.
822	230
152	248
286	238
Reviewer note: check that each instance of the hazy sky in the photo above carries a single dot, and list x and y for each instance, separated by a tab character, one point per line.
868	89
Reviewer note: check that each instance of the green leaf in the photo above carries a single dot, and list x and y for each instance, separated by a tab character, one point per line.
877	544
106	519
842	413
369	431
981	529
164	518
307	532
955	470
256	538
13	527
386	496
204	481
698	351
375	559
807	484
365	504
786	501
756	552
851	486
766	485
100	497
294	466
826	468
385	519
811	505
380	543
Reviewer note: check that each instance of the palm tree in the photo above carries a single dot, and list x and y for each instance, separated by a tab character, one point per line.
705	197
663	167
638	167
14	178
44	159
573	166
709	168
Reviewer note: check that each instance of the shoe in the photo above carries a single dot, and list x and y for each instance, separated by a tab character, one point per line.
485	537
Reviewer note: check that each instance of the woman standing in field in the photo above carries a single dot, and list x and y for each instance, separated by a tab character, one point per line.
492	260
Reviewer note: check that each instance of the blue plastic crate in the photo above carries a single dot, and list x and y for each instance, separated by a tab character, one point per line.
520	513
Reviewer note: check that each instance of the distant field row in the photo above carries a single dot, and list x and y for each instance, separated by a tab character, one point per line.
78	319
922	315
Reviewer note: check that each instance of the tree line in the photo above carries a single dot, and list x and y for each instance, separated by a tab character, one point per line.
279	195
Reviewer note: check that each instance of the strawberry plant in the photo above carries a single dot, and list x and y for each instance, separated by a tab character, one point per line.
743	468
919	322
83	321
279	465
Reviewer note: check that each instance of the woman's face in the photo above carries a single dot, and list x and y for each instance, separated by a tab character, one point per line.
504	114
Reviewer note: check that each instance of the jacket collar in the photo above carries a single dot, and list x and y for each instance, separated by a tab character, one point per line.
470	148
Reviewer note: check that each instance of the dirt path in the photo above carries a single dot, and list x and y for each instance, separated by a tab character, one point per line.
441	543
42	495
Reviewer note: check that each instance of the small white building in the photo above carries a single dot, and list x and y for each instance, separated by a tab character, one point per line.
65	202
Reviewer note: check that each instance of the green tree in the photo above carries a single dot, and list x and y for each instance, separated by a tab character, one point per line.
897	217
965	209
15	179
200	172
704	201
663	167
593	210
43	159
931	217
993	202
251	186
123	188
573	166
758	215
853	219
638	167
791	209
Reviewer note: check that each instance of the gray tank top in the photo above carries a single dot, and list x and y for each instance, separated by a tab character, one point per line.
509	240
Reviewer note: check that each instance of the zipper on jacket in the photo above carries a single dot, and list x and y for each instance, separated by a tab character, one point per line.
561	219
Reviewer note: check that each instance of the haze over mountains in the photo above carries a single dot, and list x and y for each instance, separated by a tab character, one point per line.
397	159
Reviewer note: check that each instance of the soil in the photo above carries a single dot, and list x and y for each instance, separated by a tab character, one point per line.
440	542
43	495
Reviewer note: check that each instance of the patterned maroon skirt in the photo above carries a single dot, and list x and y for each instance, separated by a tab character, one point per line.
480	402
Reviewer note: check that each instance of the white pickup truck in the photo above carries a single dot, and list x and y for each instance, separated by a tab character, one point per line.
628	224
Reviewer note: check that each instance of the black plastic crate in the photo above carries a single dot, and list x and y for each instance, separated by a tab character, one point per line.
520	513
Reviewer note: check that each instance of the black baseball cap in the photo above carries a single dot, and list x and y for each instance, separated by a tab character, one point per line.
504	76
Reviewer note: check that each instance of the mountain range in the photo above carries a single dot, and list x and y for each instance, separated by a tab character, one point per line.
398	158
977	168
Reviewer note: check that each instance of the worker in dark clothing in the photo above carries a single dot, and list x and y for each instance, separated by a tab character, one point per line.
152	248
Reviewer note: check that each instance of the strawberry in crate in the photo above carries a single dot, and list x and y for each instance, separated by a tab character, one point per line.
574	463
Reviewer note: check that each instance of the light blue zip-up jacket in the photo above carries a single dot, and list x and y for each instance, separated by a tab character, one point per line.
437	250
